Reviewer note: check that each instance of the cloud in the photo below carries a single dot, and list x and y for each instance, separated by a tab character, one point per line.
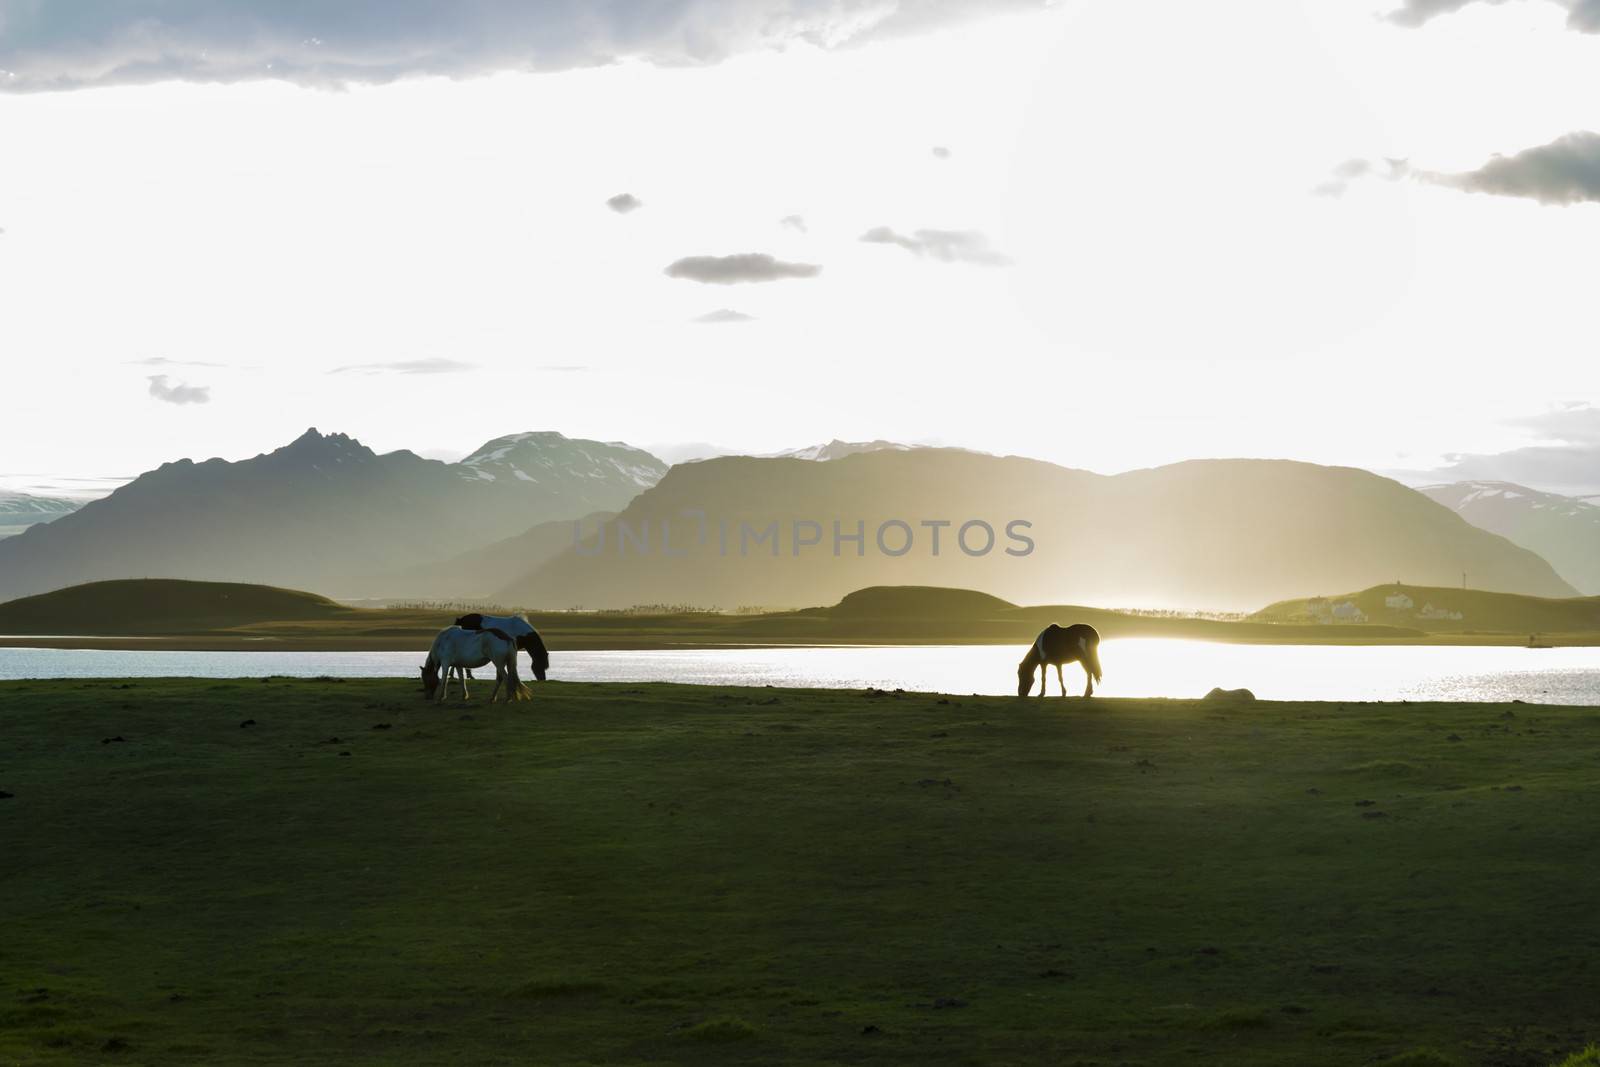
724	315
408	366
1565	457
941	152
795	222
66	45
1582	15
562	368
1565	171
743	267
178	394
947	246
623	203
162	361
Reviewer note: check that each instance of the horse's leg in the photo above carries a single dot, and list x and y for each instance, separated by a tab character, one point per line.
499	677
1088	678
1044	676
1060	681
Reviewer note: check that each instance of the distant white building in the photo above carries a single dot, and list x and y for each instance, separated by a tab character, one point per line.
1317	608
1346	611
1430	612
1399	602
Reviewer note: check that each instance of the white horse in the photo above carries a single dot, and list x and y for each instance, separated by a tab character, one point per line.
520	630
456	649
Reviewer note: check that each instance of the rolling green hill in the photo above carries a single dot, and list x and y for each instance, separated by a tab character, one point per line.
174	613
157	605
919	601
1481	611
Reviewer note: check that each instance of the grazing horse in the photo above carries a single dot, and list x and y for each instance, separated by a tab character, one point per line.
456	648
1058	645
521	631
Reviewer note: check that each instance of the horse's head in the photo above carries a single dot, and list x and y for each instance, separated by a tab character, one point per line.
533	644
430	680
1024	678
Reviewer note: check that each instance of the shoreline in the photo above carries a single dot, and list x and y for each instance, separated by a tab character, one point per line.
697	643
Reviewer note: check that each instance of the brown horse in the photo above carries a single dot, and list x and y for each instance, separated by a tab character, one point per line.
1058	645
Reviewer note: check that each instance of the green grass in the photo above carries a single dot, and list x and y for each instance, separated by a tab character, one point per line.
629	874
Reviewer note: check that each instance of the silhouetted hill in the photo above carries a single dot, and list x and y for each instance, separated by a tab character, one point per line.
322	511
918	601
1220	534
1562	529
156	605
1480	611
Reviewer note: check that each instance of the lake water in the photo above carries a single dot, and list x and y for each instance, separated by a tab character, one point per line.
1133	668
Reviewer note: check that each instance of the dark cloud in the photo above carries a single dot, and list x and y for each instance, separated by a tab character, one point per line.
623	203
1582	15
56	44
743	267
408	366
1564	459
724	315
795	222
178	394
1565	171
947	246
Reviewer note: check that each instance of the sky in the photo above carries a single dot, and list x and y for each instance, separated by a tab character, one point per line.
1107	235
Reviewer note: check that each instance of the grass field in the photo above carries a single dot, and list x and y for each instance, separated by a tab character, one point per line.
659	874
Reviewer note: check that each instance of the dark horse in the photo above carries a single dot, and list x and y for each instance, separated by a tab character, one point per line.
1057	645
520	631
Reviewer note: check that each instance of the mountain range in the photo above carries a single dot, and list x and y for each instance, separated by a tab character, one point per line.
1223	534
322	511
328	514
1564	530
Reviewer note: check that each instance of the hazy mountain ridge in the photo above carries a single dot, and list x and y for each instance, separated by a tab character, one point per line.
480	572
19	511
1206	533
316	513
22	505
1564	530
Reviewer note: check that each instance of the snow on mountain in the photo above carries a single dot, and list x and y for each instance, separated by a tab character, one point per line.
15	506
544	458
18	511
1564	530
837	449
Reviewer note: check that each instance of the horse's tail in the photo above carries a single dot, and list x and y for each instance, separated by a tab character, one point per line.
1090	644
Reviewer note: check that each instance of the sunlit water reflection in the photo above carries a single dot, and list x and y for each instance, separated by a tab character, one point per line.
1133	668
